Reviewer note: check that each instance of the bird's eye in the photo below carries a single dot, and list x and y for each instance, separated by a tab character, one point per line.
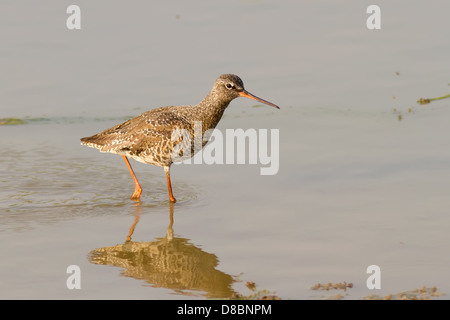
229	86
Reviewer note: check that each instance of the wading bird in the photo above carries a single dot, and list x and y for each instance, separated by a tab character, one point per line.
148	138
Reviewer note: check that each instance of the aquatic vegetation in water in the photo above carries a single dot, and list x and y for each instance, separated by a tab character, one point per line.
327	286
421	101
333	286
426	101
255	295
11	121
416	294
425	293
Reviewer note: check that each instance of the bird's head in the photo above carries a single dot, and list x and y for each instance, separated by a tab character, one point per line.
229	86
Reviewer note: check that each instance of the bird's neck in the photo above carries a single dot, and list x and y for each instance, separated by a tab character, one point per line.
210	111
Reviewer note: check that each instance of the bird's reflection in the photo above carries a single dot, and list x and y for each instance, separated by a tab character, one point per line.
169	262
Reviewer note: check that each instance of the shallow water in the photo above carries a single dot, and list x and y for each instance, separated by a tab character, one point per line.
363	176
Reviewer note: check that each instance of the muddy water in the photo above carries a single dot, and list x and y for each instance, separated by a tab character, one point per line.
364	173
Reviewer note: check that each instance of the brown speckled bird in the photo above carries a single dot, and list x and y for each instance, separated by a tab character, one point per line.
148	138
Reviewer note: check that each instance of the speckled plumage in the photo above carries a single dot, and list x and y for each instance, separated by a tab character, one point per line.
148	137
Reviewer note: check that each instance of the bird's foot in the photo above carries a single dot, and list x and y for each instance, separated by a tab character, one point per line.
137	194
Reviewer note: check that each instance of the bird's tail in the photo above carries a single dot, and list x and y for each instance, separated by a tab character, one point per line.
93	142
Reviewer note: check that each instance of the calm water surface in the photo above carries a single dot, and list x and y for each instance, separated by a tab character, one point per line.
364	175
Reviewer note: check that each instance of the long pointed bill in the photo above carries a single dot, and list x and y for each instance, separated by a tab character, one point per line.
247	94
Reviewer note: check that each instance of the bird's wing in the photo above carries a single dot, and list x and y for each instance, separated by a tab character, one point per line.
151	130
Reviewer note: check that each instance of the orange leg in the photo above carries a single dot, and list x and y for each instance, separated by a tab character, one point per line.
137	215
136	220
137	190
169	233
169	184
